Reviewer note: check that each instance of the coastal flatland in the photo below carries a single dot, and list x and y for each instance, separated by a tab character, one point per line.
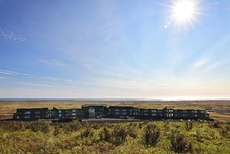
219	110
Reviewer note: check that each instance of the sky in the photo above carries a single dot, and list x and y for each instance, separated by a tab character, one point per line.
113	49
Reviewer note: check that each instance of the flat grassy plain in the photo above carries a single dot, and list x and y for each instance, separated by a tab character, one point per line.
161	137
219	110
147	137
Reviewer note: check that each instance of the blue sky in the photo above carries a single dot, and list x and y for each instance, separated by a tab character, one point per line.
113	48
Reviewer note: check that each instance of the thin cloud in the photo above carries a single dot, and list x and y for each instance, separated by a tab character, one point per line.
58	79
42	79
34	84
7	34
2	77
200	63
7	72
52	62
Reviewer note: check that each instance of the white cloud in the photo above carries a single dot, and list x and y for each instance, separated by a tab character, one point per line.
53	62
9	35
7	72
200	63
2	77
33	84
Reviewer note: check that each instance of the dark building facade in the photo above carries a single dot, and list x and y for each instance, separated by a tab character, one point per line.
94	110
102	111
120	111
32	113
190	114
67	113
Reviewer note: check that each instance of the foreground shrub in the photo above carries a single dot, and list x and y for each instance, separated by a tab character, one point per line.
39	126
119	134
188	126
132	132
57	131
151	135
16	126
105	135
224	131
71	127
87	133
179	143
214	124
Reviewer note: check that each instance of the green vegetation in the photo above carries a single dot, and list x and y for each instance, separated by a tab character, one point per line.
127	137
219	110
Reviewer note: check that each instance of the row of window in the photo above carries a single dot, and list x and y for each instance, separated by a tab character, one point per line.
68	111
28	112
154	110
154	114
136	113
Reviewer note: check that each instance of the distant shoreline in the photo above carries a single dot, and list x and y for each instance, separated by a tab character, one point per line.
115	99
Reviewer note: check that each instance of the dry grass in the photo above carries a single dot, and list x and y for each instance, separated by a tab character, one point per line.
219	110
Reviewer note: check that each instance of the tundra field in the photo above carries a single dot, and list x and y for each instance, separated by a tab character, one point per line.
118	137
219	110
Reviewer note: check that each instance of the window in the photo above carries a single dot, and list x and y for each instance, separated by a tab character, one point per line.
145	114
154	114
37	112
145	110
195	111
175	115
184	111
124	110
19	113
37	116
123	113
27	112
195	115
202	111
74	110
101	109
27	117
117	110
59	111
116	113
17	117
184	115
154	110
74	114
59	115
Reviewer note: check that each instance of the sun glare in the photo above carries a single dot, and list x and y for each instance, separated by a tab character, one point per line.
184	11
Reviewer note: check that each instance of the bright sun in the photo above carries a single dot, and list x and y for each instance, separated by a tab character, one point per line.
184	11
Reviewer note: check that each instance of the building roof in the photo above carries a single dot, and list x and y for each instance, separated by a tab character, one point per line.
32	109
121	107
89	105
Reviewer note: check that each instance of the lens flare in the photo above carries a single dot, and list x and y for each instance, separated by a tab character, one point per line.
184	10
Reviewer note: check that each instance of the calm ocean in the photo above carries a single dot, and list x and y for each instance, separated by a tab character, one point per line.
119	99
